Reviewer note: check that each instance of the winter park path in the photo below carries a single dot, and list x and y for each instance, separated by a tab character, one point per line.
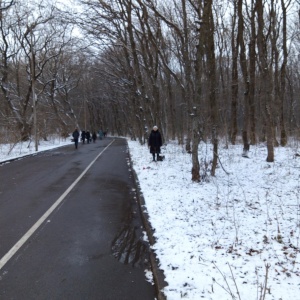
64	218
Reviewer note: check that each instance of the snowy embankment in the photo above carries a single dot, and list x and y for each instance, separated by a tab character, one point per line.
17	150
233	236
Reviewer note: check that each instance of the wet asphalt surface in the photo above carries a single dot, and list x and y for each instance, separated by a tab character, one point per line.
90	246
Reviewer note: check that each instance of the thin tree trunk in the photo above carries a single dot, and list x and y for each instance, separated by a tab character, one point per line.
252	67
234	78
137	77
283	134
266	84
211	63
243	64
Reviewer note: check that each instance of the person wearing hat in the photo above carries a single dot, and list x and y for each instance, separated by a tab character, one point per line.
155	142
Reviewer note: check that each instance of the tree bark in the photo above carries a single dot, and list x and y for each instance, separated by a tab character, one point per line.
283	134
243	64
265	78
234	76
208	21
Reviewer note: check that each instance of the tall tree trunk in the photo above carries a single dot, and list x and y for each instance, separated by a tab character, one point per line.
208	21
252	67
243	64
196	130
265	78
137	78
275	61
171	105
187	74
234	77
283	134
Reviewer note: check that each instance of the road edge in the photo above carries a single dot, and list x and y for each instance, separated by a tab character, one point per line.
158	275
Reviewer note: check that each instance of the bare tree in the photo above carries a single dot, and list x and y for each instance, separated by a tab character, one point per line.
234	73
283	90
28	43
252	68
266	84
244	68
209	50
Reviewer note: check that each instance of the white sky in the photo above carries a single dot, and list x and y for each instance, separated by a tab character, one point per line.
219	235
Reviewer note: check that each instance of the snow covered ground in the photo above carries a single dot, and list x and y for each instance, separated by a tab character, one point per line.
12	151
234	236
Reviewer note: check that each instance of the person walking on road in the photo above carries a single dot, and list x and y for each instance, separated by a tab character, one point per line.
88	137
101	135
83	136
94	136
75	135
155	142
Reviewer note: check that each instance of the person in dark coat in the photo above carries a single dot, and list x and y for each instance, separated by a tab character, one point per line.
155	142
94	136
88	136
75	136
101	135
83	136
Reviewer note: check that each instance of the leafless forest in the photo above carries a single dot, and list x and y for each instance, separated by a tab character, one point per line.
200	70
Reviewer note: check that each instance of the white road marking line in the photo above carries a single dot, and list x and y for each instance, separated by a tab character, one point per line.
31	231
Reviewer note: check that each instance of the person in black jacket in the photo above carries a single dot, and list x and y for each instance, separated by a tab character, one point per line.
75	135
83	136
88	136
94	136
155	142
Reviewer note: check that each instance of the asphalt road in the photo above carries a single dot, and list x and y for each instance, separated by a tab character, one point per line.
87	245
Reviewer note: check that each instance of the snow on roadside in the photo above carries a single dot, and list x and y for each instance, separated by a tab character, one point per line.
220	237
12	151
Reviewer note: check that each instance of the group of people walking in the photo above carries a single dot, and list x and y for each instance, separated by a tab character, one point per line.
154	140
86	136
